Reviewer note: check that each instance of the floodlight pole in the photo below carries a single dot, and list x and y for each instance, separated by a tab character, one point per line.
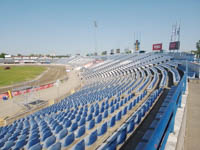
95	36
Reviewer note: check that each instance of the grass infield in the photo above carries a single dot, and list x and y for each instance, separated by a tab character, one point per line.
18	74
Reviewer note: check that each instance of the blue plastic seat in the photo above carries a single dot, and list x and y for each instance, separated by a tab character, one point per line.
63	133
34	135
130	126
96	113
102	129
91	124
121	135
67	123
58	128
8	145
112	121
20	144
46	135
112	109
124	111
102	109
98	119
82	121
37	146
56	146
130	106
89	117
78	118
105	115
49	141
119	116
90	139
69	140
91	109
117	106
79	146
33	142
80	132
2	142
74	126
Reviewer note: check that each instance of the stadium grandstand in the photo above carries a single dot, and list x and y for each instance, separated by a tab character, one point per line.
127	101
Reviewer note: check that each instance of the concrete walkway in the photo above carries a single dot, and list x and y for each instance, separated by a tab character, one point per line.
192	136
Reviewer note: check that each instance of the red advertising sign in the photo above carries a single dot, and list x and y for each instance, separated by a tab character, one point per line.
157	47
4	94
174	45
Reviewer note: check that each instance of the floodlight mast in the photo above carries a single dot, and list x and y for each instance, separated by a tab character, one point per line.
95	37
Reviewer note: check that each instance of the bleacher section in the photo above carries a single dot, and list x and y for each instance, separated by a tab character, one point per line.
117	96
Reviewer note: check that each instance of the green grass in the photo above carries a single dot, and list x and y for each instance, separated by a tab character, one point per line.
18	74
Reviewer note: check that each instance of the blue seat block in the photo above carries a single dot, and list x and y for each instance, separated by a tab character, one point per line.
8	145
58	128
82	121
56	146
33	142
112	109
119	116
67	123
96	113
63	133
105	114
117	106
79	146
124	111
46	135
89	117
78	118
20	144
90	139
80	132
130	106
91	124
36	147
102	129
69	140
74	127
130	126
121	136
49	141
102	109
112	122
99	119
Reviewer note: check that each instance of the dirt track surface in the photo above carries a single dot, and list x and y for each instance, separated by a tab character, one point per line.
192	136
50	75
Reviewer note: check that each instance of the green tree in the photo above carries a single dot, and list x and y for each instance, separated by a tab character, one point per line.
2	55
104	53
198	49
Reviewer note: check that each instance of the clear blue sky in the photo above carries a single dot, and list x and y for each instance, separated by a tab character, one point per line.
66	26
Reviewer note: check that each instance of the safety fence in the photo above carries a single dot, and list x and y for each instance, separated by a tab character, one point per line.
10	94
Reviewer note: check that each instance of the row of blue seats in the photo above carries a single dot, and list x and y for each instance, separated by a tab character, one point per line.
120	135
153	82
